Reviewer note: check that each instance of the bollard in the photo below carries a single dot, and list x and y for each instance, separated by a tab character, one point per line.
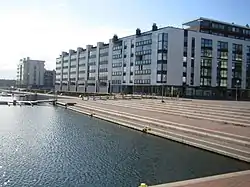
143	185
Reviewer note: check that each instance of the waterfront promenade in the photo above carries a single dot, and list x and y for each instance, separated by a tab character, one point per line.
218	126
239	179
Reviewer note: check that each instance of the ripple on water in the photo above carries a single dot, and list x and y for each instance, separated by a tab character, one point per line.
56	147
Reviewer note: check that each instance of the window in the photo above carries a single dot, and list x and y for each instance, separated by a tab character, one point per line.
164	56
222	64
206	62
223	73
205	82
184	80
116	73
192	62
185	49
164	67
159	67
165	45
158	77
159	56
193	42
237	57
237	48
248	50
115	65
160	45
163	41
160	37
206	43
223	82
206	52
222	55
218	26
222	45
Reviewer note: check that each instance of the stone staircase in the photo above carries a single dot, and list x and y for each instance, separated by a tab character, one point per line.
228	144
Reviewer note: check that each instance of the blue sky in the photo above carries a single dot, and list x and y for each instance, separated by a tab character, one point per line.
41	29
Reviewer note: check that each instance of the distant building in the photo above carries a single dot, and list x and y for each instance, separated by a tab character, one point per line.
49	79
7	83
30	73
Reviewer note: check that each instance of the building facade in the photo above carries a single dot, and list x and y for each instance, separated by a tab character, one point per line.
206	58
49	79
30	73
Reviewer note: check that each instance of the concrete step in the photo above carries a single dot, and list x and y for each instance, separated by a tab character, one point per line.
190	139
244	117
178	106
224	120
139	114
244	141
232	107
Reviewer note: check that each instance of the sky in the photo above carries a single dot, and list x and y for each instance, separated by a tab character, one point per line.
42	29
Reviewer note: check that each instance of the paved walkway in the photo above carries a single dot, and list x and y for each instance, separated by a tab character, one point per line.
237	179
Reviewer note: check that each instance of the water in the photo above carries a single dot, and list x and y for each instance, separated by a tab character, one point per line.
49	146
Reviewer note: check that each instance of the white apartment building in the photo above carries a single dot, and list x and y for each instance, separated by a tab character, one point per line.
207	58
30	73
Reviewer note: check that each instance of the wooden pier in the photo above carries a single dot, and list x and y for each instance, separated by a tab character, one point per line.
37	102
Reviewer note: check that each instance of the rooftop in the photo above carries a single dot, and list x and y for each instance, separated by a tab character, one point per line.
196	21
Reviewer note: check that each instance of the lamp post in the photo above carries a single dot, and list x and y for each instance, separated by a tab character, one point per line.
133	89
236	94
162	87
108	86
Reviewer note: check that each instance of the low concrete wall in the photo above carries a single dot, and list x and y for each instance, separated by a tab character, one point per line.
90	89
81	89
64	88
72	88
57	87
103	89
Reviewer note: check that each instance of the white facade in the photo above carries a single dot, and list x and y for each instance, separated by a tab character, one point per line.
30	73
152	58
215	39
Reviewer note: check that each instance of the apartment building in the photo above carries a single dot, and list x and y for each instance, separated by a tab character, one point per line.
49	79
30	73
204	58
